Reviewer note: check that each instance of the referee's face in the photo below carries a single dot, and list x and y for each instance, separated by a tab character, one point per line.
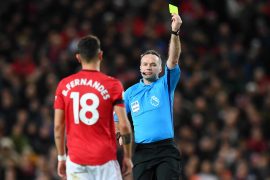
150	67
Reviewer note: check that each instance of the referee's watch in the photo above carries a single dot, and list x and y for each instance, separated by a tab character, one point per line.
176	33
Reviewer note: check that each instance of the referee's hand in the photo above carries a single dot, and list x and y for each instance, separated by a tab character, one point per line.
176	22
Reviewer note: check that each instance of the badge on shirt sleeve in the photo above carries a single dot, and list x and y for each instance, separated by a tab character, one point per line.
135	106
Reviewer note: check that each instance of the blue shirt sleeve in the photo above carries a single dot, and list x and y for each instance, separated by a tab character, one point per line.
172	76
126	102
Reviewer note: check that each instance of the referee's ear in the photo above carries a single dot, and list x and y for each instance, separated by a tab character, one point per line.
160	68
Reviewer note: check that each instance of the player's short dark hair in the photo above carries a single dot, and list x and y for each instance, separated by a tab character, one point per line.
153	52
88	47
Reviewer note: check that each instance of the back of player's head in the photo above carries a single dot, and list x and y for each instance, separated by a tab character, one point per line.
89	47
153	52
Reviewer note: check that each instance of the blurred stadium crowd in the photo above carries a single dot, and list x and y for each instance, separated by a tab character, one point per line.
222	103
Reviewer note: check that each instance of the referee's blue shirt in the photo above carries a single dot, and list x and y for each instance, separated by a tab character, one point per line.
151	107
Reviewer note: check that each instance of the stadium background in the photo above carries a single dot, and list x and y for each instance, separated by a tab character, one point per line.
222	103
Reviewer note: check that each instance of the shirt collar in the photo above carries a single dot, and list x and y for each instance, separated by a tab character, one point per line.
143	84
89	70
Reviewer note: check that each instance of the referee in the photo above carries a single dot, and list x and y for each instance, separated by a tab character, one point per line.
150	103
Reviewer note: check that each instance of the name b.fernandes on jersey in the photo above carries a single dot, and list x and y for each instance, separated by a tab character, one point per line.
87	82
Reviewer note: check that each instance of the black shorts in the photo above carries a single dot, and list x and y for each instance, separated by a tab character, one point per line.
157	161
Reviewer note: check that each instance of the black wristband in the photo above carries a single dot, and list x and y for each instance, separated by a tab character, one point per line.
175	32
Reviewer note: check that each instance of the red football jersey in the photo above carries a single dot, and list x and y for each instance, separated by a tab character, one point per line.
87	98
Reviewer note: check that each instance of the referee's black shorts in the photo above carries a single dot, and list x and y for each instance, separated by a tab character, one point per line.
160	160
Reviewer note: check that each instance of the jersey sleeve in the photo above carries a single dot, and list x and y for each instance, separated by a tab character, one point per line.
59	102
126	102
117	94
172	76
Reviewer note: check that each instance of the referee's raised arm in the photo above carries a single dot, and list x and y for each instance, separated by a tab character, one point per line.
174	46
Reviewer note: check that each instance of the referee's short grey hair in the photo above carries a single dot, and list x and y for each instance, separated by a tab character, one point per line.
153	52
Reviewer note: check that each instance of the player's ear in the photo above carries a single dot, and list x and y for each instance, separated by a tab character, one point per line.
100	55
78	57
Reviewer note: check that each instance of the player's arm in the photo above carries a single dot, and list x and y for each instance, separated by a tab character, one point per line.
116	121
126	134
59	138
174	46
117	131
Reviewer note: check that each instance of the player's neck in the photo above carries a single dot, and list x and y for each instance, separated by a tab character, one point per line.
91	66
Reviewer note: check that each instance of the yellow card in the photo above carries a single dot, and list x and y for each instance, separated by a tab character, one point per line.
173	9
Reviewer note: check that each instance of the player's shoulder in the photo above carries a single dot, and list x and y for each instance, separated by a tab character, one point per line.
111	79
68	78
